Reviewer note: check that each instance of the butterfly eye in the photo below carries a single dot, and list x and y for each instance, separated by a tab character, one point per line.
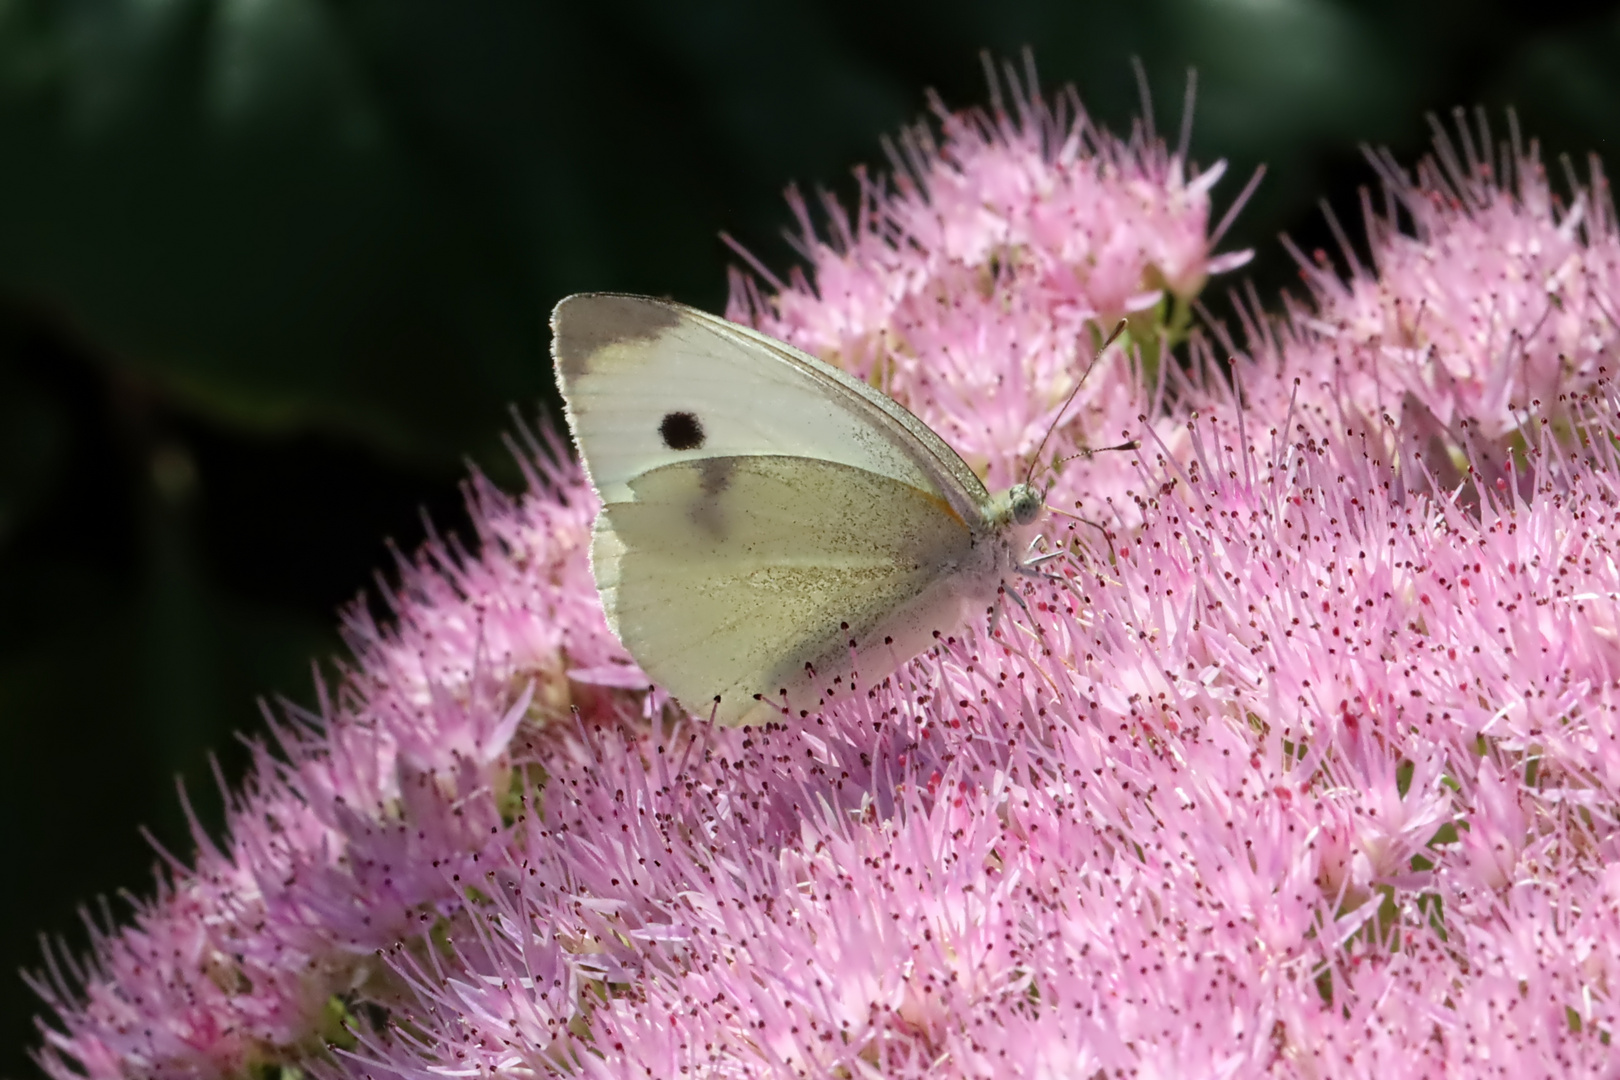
681	431
1025	504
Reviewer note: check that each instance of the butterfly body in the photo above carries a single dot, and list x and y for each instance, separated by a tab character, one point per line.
771	527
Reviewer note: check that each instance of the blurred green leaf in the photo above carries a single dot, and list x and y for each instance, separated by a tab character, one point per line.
32	437
1564	85
212	195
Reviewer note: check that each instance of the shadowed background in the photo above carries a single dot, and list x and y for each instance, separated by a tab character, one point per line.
271	271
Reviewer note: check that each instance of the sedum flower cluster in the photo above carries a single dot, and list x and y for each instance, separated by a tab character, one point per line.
1302	760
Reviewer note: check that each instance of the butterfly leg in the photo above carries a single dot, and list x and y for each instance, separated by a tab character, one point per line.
1029	569
994	610
1113	557
1017	598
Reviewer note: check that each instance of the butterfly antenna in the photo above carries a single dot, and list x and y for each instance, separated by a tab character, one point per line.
1132	444
1119	329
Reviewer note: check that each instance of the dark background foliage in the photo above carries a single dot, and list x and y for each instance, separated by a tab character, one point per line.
271	271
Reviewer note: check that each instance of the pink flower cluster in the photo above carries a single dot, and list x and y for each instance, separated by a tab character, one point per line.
357	834
1024	238
1309	770
1493	304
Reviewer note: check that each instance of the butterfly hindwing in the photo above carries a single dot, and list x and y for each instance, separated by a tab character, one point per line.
722	585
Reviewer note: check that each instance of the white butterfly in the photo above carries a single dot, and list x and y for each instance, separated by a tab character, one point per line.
770	526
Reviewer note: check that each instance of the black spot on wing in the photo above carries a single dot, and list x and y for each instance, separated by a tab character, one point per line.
682	431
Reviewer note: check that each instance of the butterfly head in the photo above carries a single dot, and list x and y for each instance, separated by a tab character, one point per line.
1019	505
1024	504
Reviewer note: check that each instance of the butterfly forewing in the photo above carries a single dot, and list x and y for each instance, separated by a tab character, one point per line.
648	382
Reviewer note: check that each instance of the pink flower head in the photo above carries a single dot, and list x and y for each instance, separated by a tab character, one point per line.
1251	800
1488	299
977	290
363	831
